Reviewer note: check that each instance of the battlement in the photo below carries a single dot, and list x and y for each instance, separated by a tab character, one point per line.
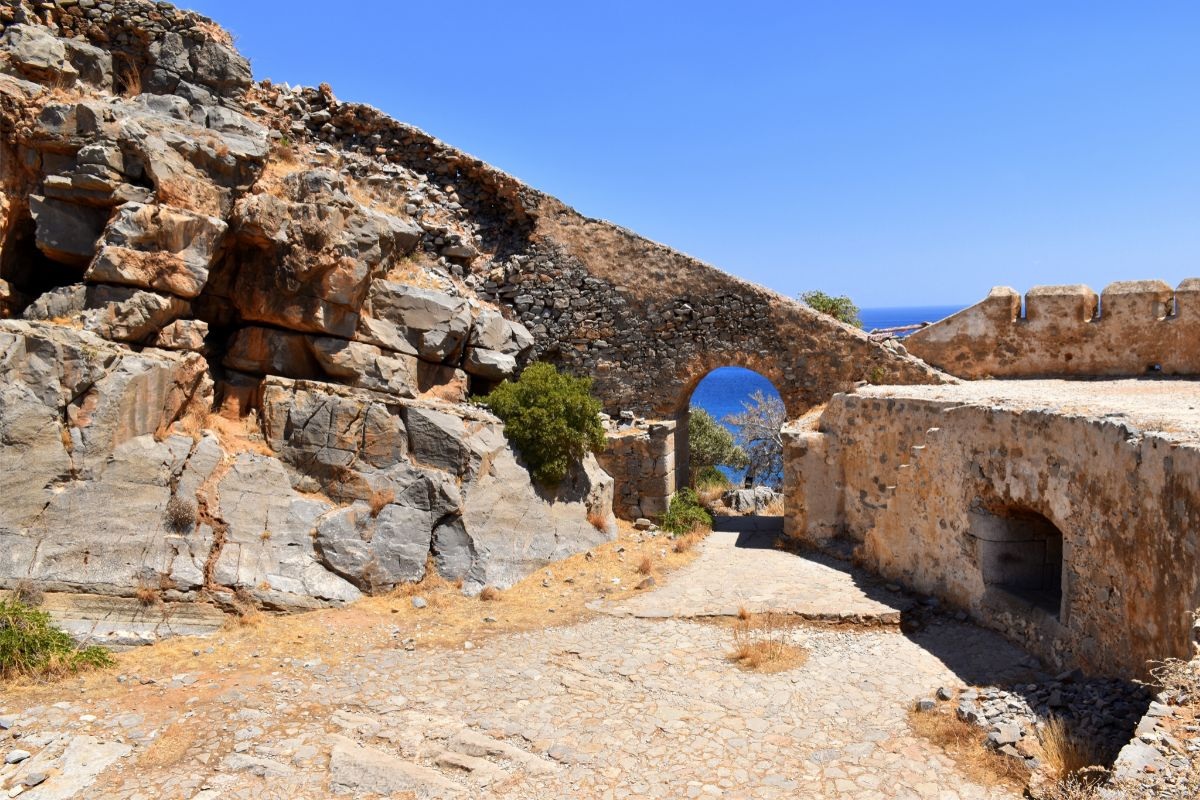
1131	328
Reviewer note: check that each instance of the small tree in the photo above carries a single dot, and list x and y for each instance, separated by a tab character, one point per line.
551	418
711	444
841	307
760	433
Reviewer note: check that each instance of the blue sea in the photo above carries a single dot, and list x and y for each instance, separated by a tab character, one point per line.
723	390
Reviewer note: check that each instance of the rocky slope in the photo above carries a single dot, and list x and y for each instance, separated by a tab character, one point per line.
235	360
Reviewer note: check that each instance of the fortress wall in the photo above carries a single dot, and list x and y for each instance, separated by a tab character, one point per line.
1126	503
1132	328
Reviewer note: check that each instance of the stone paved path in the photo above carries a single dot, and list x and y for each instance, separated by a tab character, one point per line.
615	707
740	567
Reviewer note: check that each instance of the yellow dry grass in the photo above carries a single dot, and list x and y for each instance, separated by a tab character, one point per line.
760	643
1066	755
964	744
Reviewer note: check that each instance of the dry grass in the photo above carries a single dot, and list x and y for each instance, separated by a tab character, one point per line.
379	499
489	594
598	520
685	542
964	743
146	594
27	592
774	508
710	493
760	643
645	566
1066	755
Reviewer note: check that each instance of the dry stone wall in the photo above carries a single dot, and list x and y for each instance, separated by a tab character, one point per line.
1132	328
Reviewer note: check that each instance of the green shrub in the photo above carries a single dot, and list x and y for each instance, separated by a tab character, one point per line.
711	444
30	645
685	513
841	307
551	418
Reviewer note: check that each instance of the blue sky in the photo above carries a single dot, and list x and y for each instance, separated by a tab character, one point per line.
905	153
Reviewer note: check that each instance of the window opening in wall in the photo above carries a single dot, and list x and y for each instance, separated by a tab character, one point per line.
1021	554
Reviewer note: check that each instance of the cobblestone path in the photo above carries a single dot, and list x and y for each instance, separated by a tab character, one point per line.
614	707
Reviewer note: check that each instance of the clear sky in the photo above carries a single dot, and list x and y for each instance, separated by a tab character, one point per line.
905	153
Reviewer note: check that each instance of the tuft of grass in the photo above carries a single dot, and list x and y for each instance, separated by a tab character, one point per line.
379	499
489	593
28	593
146	594
597	519
965	744
743	613
774	508
30	646
687	541
180	514
645	566
1068	757
760	644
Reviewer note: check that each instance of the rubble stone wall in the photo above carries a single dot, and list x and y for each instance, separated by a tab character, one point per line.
919	486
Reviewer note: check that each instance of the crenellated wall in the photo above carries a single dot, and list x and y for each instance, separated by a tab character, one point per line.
1132	328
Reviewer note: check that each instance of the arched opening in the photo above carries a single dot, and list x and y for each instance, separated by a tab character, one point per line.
1021	556
728	443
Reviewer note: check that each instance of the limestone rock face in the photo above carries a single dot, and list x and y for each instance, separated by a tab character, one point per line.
307	258
407	319
157	247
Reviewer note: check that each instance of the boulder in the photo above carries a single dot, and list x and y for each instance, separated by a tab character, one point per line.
366	366
509	527
321	430
307	258
38	55
117	313
183	334
157	247
490	364
492	331
750	501
66	232
430	324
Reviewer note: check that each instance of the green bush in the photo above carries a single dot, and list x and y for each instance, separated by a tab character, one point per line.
30	645
551	418
841	307
685	513
711	444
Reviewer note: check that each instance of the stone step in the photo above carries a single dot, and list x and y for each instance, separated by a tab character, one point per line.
473	743
479	770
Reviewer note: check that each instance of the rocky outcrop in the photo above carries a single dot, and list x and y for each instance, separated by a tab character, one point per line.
114	486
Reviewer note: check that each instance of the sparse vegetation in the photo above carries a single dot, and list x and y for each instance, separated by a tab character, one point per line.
379	499
180	514
551	418
964	743
685	542
840	308
685	513
146	594
30	645
489	594
598	519
710	445
645	566
761	643
1069	758
28	593
711	484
